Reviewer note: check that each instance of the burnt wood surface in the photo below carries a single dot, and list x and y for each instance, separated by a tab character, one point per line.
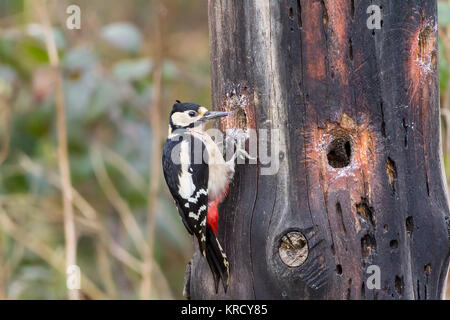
360	164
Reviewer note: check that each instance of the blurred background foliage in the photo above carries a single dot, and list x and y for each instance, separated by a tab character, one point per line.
108	72
108	69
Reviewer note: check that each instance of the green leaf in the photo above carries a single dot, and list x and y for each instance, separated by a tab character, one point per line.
10	7
443	67
170	70
132	70
82	79
443	13
37	31
123	36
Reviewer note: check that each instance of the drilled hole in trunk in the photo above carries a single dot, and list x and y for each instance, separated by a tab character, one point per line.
427	269
393	244
339	269
339	152
409	225
291	13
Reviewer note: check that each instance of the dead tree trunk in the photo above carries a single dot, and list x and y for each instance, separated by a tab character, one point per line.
360	180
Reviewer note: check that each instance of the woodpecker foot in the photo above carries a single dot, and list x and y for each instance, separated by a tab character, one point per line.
237	142
241	153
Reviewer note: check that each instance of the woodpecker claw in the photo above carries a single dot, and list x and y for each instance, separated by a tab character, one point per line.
232	141
244	155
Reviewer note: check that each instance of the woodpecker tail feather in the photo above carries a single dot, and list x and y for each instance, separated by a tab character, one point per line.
217	260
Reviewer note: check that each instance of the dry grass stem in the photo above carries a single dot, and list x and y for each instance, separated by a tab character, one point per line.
63	154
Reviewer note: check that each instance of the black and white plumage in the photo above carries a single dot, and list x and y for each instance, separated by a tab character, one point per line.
198	177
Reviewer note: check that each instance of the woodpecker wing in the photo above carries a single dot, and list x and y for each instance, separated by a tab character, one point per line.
186	174
171	171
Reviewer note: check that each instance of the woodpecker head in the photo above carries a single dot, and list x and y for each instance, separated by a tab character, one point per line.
189	115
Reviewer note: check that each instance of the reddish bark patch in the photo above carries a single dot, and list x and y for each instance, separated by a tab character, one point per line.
338	14
342	156
357	143
422	57
313	38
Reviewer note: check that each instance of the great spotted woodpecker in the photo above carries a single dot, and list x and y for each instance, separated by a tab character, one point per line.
198	178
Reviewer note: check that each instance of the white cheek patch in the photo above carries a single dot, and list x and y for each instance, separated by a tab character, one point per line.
181	119
186	187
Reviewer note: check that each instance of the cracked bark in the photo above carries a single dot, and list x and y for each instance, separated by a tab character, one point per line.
359	154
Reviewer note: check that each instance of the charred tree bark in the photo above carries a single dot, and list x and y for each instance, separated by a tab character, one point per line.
360	178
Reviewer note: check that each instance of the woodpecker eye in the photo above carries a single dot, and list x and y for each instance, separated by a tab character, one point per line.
192	114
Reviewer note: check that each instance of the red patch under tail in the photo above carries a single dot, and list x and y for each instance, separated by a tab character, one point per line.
212	218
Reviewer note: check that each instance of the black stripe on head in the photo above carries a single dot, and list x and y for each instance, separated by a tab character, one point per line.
182	107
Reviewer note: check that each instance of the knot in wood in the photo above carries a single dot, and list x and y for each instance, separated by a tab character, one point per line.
293	249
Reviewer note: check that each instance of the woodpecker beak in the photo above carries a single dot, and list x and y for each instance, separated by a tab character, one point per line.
213	115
